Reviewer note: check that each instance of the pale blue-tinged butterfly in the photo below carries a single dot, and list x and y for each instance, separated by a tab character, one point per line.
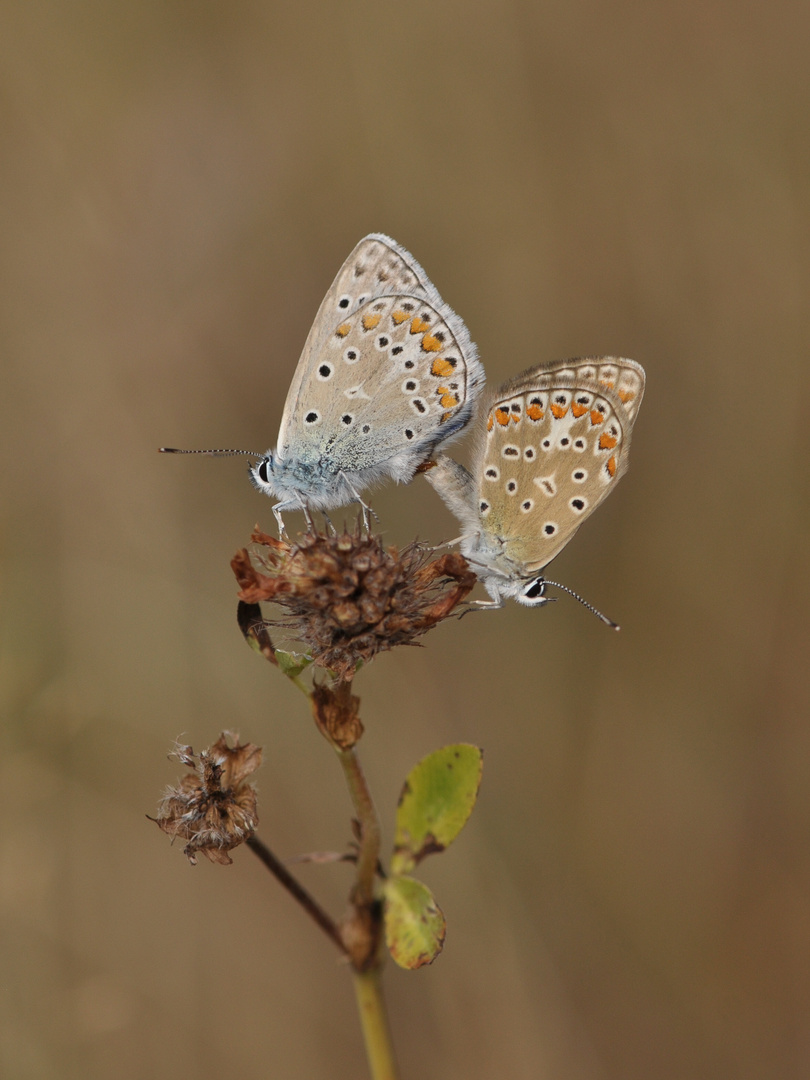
551	444
388	372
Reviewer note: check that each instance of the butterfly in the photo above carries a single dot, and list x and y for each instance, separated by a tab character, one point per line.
388	373
551	444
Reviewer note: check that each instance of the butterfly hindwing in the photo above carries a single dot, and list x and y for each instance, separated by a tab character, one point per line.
557	440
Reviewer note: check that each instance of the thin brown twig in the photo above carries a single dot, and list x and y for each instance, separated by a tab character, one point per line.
299	893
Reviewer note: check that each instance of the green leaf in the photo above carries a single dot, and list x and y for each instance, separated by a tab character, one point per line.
438	797
414	923
292	663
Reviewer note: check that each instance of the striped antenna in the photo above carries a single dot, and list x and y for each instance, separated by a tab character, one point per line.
590	607
210	453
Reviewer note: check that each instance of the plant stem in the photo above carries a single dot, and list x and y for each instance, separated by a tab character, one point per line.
367	967
299	893
374	1020
302	686
370	835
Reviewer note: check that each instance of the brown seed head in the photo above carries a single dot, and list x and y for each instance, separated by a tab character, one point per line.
348	597
214	807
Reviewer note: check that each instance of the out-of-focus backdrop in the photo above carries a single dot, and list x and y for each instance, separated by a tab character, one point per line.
179	183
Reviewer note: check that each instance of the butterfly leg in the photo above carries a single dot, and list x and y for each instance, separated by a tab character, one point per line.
282	532
481	605
365	509
308	518
446	544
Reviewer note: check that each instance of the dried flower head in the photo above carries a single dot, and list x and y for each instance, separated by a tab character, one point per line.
348	597
214	807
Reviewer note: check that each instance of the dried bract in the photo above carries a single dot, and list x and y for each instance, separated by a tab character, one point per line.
214	807
337	714
348	597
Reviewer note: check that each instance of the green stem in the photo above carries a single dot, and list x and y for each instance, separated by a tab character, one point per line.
365	919
374	1020
302	686
368	856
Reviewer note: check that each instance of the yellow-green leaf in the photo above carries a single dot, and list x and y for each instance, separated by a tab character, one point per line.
437	798
414	923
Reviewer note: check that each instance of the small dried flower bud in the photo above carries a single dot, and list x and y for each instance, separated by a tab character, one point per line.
214	807
336	713
348	597
361	934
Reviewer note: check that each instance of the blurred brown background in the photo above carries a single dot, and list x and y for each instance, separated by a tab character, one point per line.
179	184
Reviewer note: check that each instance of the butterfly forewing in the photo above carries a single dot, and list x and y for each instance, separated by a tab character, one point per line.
557	441
400	376
377	265
388	368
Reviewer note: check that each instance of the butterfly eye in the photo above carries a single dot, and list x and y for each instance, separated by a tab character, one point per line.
534	593
262	471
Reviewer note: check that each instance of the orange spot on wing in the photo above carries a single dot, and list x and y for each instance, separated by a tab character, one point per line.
611	466
596	416
490	422
502	416
431	343
534	412
607	442
448	401
441	368
627	395
559	411
445	416
515	418
418	326
606	382
370	321
343	330
399	316
578	410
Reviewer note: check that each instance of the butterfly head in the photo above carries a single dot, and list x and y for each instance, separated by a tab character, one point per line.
533	593
261	474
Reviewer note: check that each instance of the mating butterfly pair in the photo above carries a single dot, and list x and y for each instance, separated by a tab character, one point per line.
389	373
